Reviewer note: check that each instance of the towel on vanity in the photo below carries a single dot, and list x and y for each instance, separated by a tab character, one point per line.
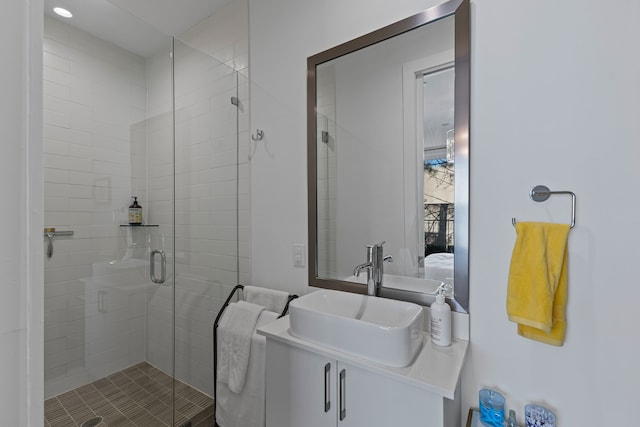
234	342
537	289
270	299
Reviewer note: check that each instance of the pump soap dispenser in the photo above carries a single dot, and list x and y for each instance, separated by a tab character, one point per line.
440	320
135	212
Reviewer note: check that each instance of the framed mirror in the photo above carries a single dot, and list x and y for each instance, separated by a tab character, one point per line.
388	157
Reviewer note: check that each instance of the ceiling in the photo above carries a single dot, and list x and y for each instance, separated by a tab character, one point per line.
140	26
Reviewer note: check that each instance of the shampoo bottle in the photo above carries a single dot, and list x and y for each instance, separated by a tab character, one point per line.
135	212
440	321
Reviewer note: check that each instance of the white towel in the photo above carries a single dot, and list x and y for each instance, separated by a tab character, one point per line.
234	342
247	408
270	299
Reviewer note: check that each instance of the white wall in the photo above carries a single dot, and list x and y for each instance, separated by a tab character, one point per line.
21	397
554	90
555	102
282	35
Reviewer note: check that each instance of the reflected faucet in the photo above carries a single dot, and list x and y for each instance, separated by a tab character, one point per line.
374	267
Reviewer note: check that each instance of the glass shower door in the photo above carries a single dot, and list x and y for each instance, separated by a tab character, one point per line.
207	179
108	135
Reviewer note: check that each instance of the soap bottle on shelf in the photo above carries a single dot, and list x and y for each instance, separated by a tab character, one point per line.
511	422
135	212
440	320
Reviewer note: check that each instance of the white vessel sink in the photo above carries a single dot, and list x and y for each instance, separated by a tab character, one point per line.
381	330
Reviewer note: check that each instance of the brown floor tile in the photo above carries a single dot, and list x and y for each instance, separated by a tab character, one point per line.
88	388
164	415
187	409
62	422
180	420
118	421
138	396
52	404
55	413
201	400
102	405
203	415
207	422
82	416
102	382
91	399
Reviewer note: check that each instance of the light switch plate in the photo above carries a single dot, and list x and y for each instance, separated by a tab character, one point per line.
298	255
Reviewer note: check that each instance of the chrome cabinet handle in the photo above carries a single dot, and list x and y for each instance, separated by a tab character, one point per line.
343	391
327	387
163	266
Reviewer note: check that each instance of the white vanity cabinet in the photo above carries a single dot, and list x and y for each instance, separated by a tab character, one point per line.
310	386
300	387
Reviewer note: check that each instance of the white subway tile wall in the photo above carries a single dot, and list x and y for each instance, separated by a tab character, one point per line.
326	172
108	135
93	93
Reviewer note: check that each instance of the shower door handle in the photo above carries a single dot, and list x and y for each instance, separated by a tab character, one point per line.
163	266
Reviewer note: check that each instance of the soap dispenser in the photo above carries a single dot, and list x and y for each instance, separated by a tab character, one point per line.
440	320
135	212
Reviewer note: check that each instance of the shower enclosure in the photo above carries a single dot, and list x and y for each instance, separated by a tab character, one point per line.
129	308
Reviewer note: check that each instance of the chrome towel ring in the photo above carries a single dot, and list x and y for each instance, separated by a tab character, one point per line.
540	193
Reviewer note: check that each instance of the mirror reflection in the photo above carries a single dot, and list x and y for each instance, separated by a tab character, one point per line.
385	160
438	173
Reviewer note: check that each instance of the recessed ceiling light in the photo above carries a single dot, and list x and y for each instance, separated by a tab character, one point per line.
62	12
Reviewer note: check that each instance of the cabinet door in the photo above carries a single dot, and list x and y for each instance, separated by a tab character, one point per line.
301	388
372	400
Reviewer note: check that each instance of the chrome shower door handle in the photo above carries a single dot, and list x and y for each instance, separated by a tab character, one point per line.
163	266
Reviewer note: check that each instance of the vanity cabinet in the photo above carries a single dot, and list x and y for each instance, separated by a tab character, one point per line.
311	389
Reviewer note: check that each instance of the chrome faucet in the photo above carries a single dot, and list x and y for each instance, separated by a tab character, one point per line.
369	267
374	267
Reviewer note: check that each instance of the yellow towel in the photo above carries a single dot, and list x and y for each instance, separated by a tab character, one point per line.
537	290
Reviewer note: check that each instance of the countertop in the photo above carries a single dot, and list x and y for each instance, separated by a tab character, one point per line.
435	369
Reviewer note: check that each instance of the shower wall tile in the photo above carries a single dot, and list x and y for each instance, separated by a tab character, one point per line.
93	94
51	89
97	154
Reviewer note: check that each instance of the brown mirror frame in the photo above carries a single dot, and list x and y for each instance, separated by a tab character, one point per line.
460	10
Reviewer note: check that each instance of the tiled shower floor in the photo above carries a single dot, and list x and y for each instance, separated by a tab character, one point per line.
134	397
